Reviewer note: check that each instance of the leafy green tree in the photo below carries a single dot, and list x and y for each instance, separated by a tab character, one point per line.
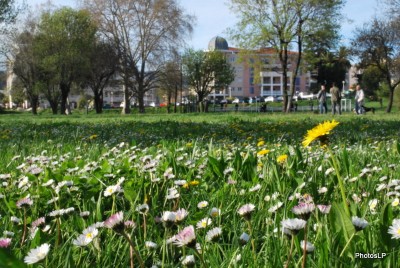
63	43
102	68
25	64
283	25
206	71
377	44
142	31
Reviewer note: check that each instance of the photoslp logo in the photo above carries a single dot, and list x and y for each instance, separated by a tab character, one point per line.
370	255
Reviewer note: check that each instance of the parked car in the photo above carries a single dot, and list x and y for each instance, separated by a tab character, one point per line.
236	100
270	99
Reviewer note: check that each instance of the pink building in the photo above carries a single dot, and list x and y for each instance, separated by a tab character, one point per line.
257	73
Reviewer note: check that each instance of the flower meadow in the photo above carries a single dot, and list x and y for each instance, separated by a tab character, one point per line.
229	192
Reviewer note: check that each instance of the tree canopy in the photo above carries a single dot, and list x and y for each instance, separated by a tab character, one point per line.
206	71
285	25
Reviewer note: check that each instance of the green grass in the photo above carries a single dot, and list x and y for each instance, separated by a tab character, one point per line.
219	156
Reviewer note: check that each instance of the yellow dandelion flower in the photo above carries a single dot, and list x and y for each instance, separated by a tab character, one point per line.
93	137
189	144
260	143
194	183
263	152
186	185
319	132
282	158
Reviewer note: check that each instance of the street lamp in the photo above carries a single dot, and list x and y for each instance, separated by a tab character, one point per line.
112	99
344	82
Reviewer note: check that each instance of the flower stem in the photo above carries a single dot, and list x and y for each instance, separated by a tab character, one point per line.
203	264
290	252
347	244
253	247
24	231
303	265
132	247
340	180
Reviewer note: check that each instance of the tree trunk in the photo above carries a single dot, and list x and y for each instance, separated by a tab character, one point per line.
176	98
141	103
98	102
34	100
127	103
54	106
390	101
64	96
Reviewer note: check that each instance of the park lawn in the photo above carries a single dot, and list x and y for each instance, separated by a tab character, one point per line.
238	179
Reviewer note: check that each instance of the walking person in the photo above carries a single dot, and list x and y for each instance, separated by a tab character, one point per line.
321	96
335	99
359	100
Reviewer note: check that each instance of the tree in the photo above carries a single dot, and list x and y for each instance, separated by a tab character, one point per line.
331	67
103	65
25	62
171	81
378	44
206	71
64	41
8	12
142	31
282	24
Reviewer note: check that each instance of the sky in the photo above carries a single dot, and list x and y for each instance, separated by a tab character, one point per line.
214	17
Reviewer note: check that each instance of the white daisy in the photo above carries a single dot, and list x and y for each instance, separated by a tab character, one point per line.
86	237
203	223
202	204
394	230
359	223
213	234
309	246
37	254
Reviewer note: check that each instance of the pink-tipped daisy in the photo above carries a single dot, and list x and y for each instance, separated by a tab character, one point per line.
5	242
186	237
24	202
304	210
115	222
246	210
324	208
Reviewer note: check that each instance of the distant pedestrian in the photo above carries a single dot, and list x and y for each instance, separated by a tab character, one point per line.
321	96
335	99
359	100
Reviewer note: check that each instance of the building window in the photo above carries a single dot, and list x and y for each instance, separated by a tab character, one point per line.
267	80
239	89
251	90
277	80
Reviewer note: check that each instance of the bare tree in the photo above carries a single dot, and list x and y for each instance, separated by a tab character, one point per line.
142	32
170	81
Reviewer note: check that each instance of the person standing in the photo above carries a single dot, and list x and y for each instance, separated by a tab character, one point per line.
359	100
321	96
335	99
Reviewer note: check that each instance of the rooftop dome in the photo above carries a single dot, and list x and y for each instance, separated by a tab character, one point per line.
218	43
